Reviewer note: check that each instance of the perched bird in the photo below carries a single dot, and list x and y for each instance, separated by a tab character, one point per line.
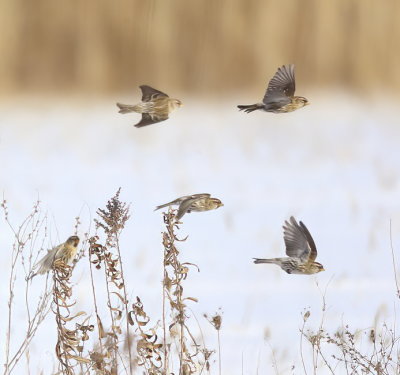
65	251
154	107
279	97
300	248
195	202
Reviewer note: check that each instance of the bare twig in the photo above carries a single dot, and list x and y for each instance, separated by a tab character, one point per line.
25	237
394	261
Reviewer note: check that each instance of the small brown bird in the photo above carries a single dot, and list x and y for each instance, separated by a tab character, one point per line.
65	251
195	202
279	97
300	248
154	107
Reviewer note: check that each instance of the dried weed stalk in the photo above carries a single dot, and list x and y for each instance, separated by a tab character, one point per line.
111	221
216	322
175	272
147	346
69	348
396	282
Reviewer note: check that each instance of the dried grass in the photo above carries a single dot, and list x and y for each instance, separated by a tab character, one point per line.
208	47
124	339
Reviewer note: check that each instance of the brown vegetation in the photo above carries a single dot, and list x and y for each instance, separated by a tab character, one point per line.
126	342
210	47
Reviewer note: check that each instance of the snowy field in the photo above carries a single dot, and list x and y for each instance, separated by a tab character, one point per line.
335	167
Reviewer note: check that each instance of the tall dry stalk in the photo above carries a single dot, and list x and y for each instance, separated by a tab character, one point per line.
111	221
175	273
147	346
396	282
30	234
68	348
216	322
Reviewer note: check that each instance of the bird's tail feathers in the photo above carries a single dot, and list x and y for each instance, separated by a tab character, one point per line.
126	108
270	261
249	108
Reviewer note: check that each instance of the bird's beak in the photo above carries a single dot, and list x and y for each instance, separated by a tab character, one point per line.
322	269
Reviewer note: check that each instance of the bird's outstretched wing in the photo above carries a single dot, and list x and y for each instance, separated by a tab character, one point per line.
298	241
149	94
148	119
313	249
45	264
281	87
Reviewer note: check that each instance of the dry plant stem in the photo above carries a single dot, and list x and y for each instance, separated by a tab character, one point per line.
25	238
42	310
148	350
274	362
394	261
69	345
12	277
321	328
126	306
301	346
96	309
164	326
207	353
61	291
113	323
219	352
112	220
70	342
171	258
174	273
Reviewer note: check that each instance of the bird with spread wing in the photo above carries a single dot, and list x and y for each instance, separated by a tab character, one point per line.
300	250
155	106
65	252
279	97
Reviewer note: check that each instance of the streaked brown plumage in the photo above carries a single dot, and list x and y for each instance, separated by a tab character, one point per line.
279	97
154	107
65	251
300	248
195	202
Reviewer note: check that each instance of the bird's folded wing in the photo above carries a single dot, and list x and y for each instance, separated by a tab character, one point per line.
296	240
282	86
197	196
187	203
179	200
149	94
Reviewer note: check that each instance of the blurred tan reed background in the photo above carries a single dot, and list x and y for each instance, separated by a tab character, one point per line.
207	46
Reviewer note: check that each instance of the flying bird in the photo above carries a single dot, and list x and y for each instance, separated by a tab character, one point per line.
279	97
65	251
154	107
195	202
300	250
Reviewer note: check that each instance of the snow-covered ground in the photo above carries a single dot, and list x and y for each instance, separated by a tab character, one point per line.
334	165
